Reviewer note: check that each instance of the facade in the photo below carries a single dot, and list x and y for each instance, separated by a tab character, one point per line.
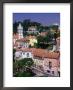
58	44
49	63
32	29
32	40
23	43
51	66
56	47
23	54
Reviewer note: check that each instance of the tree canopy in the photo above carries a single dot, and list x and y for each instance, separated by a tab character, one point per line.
22	67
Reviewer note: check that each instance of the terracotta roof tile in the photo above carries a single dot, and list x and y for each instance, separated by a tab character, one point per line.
23	40
42	53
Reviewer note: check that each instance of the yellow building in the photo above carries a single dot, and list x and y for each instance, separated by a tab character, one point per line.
32	40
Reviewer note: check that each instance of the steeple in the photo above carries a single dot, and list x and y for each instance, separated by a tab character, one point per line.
20	30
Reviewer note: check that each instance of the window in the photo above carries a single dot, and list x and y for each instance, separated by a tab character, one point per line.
27	54
21	44
23	52
59	73
52	72
48	71
50	65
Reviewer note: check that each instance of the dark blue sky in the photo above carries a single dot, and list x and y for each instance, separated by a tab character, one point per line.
43	18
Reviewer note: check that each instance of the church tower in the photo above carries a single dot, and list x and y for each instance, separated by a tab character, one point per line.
20	31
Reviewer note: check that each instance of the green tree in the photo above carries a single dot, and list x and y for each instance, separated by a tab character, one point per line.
54	27
15	24
26	24
14	54
22	67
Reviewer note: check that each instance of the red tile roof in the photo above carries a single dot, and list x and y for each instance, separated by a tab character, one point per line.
23	40
41	53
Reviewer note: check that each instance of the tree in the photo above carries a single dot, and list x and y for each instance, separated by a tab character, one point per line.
54	27
15	24
22	67
26	62
14	54
41	28
26	24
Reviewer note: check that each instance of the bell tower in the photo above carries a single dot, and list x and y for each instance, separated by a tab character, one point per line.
20	31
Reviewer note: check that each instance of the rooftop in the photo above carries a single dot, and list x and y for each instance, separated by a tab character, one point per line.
41	53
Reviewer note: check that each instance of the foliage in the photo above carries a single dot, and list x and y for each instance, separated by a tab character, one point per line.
14	50
44	41
14	54
24	74
20	68
15	24
54	27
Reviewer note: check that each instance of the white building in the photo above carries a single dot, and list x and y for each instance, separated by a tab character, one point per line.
32	29
56	47
20	31
23	54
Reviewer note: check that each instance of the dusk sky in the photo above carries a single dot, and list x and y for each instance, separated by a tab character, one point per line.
43	18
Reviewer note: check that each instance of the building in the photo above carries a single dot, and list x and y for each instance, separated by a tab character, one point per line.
18	35
32	30
15	37
46	61
19	55
20	31
23	42
32	40
58	44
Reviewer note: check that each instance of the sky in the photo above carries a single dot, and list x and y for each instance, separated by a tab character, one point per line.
45	19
